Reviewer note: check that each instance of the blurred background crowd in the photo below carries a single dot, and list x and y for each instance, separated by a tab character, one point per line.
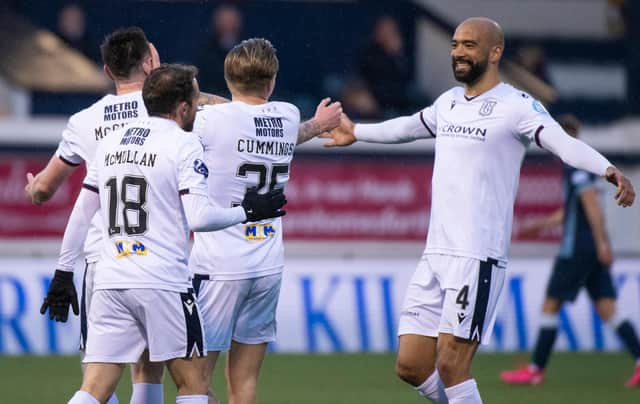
371	55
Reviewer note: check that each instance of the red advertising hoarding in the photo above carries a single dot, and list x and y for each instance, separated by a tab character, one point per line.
329	199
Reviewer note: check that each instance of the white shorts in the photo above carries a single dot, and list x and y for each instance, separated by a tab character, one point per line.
453	295
242	310
125	322
85	300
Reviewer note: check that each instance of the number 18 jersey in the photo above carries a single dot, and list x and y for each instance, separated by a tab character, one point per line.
244	146
140	173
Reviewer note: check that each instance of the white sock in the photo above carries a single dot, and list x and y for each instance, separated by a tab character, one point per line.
82	397
464	393
433	389
113	399
195	399
147	393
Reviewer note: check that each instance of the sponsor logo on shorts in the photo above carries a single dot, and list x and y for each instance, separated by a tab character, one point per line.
189	305
128	248
259	231
461	317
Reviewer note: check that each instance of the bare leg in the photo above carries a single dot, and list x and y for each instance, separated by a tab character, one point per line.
242	371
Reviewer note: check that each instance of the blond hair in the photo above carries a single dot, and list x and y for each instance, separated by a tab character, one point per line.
251	65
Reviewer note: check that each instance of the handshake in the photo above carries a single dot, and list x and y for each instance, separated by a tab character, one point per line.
263	206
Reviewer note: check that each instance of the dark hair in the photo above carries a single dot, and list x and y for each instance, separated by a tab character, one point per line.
124	50
251	65
168	86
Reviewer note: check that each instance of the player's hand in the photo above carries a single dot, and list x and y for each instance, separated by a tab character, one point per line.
603	250
343	135
625	194
263	206
29	188
61	294
327	115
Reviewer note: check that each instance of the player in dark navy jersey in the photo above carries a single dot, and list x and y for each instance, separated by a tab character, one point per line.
584	260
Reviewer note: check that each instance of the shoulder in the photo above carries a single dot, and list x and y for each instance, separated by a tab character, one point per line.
287	108
521	100
448	96
88	115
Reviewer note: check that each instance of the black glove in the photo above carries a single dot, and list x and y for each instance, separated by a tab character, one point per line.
263	206
61	294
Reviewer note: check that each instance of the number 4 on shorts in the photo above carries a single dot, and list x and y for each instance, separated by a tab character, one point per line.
462	298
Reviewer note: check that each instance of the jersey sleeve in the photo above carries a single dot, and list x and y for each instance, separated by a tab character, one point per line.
428	118
91	179
70	149
200	125
192	170
531	119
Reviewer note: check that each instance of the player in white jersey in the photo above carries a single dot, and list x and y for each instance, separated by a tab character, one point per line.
128	58
149	182
237	271
481	132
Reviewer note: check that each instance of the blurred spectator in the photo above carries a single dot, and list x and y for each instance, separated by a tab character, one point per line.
72	29
532	58
225	32
615	18
357	101
385	68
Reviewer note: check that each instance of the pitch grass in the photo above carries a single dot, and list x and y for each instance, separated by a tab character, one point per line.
348	379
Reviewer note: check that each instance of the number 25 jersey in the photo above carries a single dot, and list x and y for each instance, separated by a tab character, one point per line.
244	146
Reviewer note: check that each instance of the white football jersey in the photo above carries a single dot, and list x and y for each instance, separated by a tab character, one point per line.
85	130
244	146
140	172
480	145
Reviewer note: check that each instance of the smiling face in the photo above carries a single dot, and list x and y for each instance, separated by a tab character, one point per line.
476	45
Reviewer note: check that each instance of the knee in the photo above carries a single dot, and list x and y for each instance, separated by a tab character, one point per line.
147	372
606	309
413	373
447	369
551	306
193	386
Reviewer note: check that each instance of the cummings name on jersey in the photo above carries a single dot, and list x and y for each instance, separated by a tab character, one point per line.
269	147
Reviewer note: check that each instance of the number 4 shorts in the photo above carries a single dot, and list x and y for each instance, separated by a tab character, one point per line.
453	295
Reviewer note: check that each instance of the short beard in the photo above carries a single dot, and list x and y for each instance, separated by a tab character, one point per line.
476	71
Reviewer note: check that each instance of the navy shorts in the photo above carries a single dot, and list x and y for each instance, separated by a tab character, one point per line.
569	275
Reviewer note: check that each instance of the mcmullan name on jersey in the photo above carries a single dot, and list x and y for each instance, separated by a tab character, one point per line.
268	127
467	132
120	111
265	147
130	157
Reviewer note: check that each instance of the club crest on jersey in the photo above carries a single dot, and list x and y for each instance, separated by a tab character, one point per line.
201	168
487	107
538	107
128	248
259	232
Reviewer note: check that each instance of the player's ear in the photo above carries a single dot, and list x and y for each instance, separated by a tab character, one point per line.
108	72
496	53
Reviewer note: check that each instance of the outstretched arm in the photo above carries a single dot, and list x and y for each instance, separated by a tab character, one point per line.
535	227
41	187
580	155
85	208
211	99
399	130
327	118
